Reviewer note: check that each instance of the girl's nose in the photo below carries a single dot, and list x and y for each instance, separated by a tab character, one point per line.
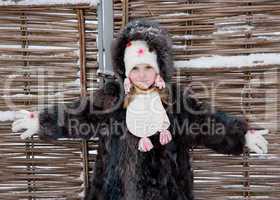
142	74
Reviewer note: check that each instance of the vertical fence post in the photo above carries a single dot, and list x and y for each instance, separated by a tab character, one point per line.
246	154
29	144
105	37
82	45
124	12
248	94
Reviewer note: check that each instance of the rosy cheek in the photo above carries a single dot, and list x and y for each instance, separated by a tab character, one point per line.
152	75
133	77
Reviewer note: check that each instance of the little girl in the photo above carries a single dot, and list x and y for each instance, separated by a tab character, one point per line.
145	113
144	157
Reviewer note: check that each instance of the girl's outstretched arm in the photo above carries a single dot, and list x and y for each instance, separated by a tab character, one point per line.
82	118
217	130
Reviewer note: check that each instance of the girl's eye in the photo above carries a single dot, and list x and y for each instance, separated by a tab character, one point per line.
149	67
135	68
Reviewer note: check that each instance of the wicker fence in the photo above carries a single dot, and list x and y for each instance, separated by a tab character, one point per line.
48	54
202	28
43	60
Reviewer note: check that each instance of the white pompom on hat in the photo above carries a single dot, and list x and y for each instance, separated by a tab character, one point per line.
137	52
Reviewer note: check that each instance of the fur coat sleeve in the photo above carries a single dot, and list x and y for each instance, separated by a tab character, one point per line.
83	118
213	129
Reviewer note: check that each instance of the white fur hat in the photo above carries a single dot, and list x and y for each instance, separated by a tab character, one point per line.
137	52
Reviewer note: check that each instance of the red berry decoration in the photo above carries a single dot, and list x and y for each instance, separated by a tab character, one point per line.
140	51
32	115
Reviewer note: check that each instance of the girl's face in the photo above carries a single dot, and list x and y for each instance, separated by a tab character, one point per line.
142	75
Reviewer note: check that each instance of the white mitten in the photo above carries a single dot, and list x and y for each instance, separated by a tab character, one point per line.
28	121
256	142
